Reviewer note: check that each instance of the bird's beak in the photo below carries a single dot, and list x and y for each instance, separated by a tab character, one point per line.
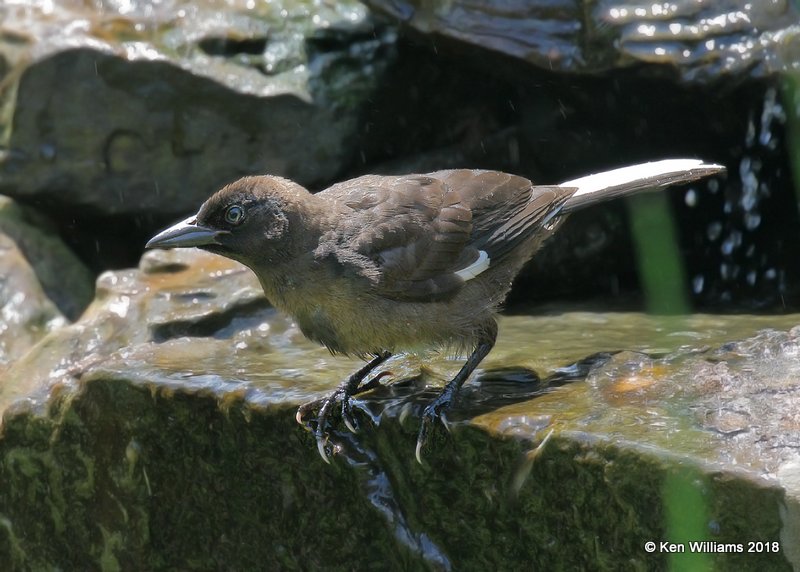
185	233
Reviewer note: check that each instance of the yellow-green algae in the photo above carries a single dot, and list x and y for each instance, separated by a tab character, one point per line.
236	483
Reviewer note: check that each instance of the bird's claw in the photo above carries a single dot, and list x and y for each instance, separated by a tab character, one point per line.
420	442
347	415
321	441
432	413
324	408
302	411
321	431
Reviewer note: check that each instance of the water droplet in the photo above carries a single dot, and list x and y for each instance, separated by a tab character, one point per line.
731	242
728	271
714	230
750	137
749	201
752	220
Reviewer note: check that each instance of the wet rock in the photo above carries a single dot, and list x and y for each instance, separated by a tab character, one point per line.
137	306
702	41
63	277
187	310
136	457
163	432
42	284
26	313
158	105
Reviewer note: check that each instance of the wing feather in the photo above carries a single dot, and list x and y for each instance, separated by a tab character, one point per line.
420	237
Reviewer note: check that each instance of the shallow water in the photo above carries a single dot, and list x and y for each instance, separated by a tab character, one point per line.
271	354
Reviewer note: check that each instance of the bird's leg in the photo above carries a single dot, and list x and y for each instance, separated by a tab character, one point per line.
444	401
345	390
351	387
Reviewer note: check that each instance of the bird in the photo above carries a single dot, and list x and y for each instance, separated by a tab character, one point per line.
382	264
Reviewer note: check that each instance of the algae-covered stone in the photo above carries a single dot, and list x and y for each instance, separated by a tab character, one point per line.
144	469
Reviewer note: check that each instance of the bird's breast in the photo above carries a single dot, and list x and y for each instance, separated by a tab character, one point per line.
348	317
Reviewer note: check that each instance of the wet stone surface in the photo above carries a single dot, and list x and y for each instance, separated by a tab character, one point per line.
42	284
159	104
160	433
701	41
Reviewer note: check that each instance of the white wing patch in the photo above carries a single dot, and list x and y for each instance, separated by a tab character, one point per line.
475	268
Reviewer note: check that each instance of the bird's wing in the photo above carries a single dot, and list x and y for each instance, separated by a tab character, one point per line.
407	235
506	209
421	237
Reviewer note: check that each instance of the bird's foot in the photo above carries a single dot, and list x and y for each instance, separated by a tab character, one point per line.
321	431
320	422
327	405
436	411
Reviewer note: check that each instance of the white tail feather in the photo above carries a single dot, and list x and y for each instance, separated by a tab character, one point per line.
635	178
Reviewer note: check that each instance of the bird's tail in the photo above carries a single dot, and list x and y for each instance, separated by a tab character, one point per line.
636	178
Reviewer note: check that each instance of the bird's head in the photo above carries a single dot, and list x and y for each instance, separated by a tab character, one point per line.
250	220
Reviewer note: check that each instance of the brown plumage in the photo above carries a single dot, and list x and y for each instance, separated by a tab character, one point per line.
380	264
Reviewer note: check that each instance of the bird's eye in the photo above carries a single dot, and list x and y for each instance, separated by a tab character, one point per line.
234	214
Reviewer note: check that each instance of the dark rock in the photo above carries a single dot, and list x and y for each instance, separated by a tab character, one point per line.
158	106
701	41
